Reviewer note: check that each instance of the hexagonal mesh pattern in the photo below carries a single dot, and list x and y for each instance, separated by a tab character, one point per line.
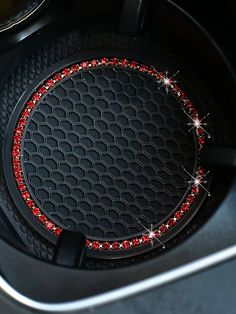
103	150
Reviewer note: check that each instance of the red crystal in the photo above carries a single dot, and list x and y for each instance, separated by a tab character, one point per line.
163	228
36	211
182	95
104	61
15	153
135	242
18	177
124	62
178	215
42	90
171	222
201	140
21	186
26	113
200	131
195	189
30	203
57	77
30	104
87	242
42	218
19	130
36	97
106	246
133	64
115	246
66	72
95	245
143	68
189	105
190	198
201	171
153	71
145	238
49	83
160	76
185	207
94	62
58	231
114	61
16	163
22	122
84	64
25	195
75	68
50	225
126	244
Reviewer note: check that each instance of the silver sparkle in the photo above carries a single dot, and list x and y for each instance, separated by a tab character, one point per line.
168	81
198	123
195	181
152	235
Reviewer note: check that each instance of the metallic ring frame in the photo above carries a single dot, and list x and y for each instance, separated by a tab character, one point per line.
127	291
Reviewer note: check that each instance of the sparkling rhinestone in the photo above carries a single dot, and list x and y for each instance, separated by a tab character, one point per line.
143	68
201	171
25	195
124	62
36	211
49	225
36	97
163	228
104	61
195	189
26	113
171	222
87	243
178	215
30	104
49	83
75	68
126	244
42	90
66	72
57	77
42	218
201	140
114	61
94	63
200	131
133	64
95	245
21	186
106	246
185	207
30	203
84	64
145	238
135	242
115	246
58	231
190	198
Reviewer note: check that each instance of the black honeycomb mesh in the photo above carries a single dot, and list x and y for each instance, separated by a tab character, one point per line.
103	151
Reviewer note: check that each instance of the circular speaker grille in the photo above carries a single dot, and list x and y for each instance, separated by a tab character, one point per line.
103	147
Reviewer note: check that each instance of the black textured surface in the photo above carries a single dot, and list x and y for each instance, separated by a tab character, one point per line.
20	11
104	149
